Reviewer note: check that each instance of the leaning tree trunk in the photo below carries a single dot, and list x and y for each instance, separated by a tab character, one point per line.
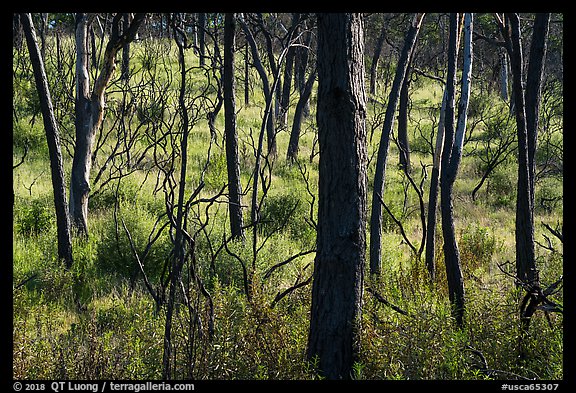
376	218
232	160
452	154
292	153
53	138
89	109
341	237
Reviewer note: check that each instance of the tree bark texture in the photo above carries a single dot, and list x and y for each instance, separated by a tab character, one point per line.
525	252
433	194
89	109
379	177
452	154
53	139
232	159
341	238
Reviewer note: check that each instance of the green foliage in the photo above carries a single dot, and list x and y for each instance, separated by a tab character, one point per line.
114	251
34	218
90	323
477	246
289	213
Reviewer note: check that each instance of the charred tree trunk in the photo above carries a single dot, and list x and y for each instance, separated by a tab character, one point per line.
376	58
433	194
403	143
341	237
452	154
292	154
53	138
525	252
232	159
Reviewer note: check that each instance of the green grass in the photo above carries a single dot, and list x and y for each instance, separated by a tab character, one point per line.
90	323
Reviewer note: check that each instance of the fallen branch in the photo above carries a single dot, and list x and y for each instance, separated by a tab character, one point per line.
381	299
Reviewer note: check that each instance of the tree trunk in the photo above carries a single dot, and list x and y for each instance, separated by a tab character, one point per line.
504	75
202	38
288	71
403	144
292	154
179	255
53	138
452	154
301	61
232	159
89	109
379	177
533	89
376	58
341	237
433	194
525	253
270	129
125	73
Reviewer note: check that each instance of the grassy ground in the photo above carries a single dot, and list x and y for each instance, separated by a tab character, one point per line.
90	323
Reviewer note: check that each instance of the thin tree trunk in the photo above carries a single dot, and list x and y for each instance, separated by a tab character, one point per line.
525	252
292	154
178	258
341	238
288	71
533	89
379	177
433	194
452	154
232	159
202	38
376	58
53	138
403	143
270	129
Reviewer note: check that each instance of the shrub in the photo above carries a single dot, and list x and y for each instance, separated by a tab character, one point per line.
115	254
290	211
477	246
35	219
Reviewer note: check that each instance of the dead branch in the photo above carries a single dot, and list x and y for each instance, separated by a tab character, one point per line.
382	300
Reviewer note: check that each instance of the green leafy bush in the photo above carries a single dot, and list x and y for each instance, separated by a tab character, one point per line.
35	219
115	254
477	246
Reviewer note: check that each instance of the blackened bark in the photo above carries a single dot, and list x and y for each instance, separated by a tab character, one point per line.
232	159
403	144
341	238
125	73
452	154
525	252
301	60
292	154
533	89
53	138
202	38
270	127
288	71
379	177
433	194
376	58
